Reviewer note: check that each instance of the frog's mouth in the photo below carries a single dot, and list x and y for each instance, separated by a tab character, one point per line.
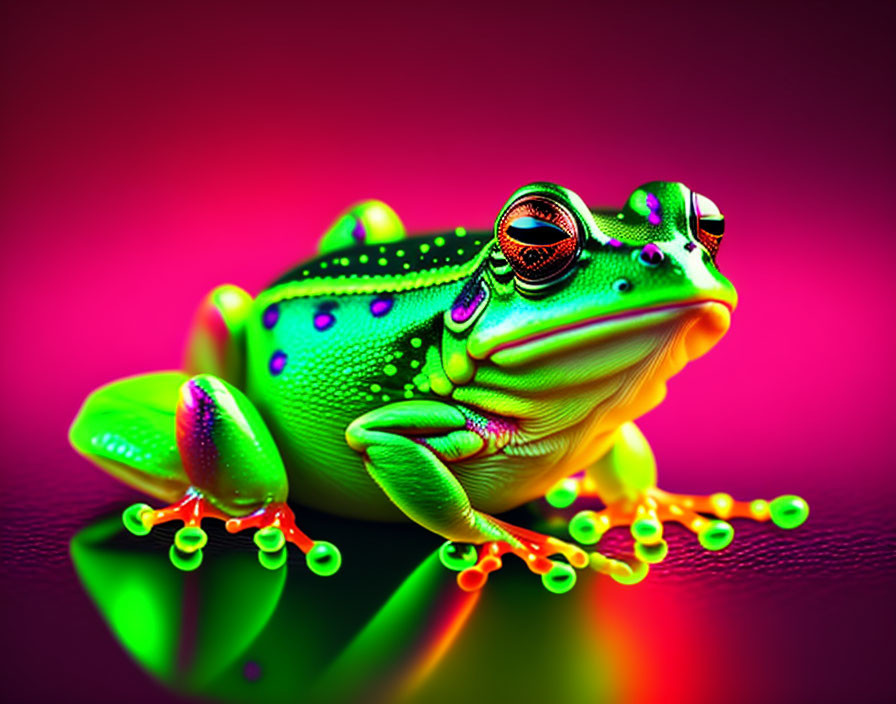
703	323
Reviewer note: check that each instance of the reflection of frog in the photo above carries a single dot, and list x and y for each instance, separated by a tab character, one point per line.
443	378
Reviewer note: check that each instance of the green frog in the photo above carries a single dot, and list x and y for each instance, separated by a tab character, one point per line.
443	379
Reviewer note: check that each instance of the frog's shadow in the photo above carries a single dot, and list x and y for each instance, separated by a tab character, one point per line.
236	631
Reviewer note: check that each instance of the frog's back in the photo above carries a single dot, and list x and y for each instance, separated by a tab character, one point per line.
343	334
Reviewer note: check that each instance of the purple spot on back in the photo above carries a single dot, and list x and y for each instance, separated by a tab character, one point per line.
690	246
613	242
380	306
270	316
324	320
252	671
278	361
358	232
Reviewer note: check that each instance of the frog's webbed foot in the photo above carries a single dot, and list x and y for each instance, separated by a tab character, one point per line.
706	516
186	551
625	481
235	474
276	525
534	549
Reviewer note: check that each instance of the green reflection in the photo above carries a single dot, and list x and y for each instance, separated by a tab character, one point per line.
184	628
234	631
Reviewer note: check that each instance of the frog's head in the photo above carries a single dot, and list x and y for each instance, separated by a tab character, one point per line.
560	277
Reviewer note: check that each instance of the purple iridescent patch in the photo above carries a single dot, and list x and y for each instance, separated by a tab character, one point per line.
358	232
690	246
613	242
651	254
380	306
324	320
197	420
270	316
655	218
462	311
278	361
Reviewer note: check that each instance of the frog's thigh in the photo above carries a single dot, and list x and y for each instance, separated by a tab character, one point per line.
406	446
217	340
627	470
127	429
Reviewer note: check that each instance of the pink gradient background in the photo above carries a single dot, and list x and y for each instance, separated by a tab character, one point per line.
150	154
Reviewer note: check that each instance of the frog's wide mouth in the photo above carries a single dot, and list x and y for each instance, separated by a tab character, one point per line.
707	320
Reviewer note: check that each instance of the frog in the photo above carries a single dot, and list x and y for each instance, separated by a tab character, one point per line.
442	379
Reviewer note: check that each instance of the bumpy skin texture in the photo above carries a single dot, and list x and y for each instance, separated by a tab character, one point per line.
441	378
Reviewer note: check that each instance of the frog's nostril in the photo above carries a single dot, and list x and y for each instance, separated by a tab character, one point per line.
622	285
651	255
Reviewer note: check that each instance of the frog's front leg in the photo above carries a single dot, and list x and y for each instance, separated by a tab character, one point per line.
625	481
408	448
216	454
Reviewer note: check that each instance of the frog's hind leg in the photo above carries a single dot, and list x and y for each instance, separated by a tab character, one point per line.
220	454
236	474
368	222
625	480
127	429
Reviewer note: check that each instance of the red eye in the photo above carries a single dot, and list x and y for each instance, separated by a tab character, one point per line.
708	223
540	239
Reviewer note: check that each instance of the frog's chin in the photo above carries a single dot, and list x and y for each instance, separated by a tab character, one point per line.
701	324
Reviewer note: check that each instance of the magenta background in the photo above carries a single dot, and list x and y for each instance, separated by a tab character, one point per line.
150	154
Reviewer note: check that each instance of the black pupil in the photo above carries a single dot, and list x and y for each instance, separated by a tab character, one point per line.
713	225
535	232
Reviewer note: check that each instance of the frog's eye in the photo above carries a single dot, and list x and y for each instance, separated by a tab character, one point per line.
707	223
540	239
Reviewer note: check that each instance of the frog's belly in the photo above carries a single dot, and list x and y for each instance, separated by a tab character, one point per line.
570	432
508	479
547	449
333	479
566	414
330	476
326	474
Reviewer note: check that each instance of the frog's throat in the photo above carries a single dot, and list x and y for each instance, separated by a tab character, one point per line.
708	320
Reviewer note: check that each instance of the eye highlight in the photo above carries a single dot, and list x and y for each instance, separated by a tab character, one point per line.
532	231
540	239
